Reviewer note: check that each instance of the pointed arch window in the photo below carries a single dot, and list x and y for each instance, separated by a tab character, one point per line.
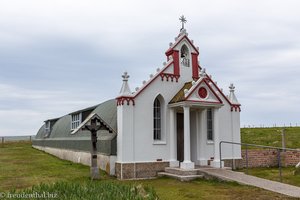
157	119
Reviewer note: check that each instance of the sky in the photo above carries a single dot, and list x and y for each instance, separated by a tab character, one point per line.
57	56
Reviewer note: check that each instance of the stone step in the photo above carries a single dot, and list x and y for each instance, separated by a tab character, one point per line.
181	172
179	177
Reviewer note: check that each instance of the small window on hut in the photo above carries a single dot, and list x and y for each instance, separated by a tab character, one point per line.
47	126
76	120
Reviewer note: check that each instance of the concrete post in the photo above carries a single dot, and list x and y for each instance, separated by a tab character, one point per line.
283	138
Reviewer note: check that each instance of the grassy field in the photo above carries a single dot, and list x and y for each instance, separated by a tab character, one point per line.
271	136
87	190
22	167
273	174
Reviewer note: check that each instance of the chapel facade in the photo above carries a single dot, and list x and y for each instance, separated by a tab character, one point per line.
176	119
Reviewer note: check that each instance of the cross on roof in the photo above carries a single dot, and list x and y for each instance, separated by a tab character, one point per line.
231	87
125	76
183	21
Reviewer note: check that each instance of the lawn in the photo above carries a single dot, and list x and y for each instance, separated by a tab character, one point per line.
273	174
271	136
22	167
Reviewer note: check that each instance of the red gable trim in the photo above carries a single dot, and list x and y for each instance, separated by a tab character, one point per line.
235	107
155	76
221	92
207	84
169	51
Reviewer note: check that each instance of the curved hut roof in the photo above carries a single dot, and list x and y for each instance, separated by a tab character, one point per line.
62	126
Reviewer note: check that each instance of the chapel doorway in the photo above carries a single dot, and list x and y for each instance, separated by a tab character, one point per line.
180	137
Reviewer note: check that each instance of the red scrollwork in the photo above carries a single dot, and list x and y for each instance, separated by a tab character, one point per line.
167	77
127	100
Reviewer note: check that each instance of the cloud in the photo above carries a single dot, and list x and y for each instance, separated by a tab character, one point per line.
59	56
23	110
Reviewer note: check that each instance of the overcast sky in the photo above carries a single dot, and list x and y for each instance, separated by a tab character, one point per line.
57	56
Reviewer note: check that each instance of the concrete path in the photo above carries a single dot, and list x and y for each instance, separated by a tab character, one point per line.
242	178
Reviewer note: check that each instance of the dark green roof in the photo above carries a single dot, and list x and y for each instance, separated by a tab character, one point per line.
62	128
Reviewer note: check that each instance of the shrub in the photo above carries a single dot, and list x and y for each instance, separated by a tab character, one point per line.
297	171
89	190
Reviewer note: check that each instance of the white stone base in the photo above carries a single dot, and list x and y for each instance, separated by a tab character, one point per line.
174	163
202	162
187	165
216	163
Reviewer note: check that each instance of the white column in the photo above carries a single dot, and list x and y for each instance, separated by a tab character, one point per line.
187	164
202	159
216	132
173	140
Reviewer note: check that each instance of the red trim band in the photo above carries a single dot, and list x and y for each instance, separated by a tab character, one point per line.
121	100
169	76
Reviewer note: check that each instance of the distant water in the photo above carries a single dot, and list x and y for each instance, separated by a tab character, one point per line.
16	138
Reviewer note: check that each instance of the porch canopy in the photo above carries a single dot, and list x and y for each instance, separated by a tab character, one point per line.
194	95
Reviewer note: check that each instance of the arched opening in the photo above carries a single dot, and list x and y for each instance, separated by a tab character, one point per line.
184	56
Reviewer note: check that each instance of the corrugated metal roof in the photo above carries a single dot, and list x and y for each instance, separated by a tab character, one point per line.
85	109
53	119
62	128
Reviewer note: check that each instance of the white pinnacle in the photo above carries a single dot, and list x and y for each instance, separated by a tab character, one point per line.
125	90
232	98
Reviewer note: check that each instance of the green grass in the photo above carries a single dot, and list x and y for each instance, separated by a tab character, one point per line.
271	136
89	190
167	188
22	167
289	175
297	172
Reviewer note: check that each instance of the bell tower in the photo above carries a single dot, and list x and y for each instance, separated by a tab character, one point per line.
184	54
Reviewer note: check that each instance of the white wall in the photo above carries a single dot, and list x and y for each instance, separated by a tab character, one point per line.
103	161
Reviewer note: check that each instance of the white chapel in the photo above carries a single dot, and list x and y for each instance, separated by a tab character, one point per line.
176	119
